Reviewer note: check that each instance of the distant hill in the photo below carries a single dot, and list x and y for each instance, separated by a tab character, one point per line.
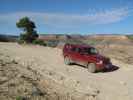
77	36
103	39
113	38
60	36
8	38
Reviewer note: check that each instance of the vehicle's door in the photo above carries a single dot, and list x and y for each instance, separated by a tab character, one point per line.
75	54
84	57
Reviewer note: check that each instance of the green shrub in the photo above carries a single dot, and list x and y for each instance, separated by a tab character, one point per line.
39	42
20	98
130	37
20	41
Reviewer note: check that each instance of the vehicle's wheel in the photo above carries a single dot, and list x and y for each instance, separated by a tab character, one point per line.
91	67
67	61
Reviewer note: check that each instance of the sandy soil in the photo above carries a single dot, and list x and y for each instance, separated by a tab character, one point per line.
71	82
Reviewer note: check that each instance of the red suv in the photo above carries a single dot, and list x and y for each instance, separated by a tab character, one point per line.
87	56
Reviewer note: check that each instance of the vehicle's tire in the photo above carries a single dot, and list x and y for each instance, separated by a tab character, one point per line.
91	67
67	60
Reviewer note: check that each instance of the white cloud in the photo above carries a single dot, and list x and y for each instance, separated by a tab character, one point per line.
62	20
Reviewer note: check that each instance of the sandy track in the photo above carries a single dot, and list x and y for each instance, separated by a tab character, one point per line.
115	85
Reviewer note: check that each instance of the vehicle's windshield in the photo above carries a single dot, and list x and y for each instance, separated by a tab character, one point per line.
90	50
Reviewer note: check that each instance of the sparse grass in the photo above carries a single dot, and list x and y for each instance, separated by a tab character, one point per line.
74	41
52	43
92	42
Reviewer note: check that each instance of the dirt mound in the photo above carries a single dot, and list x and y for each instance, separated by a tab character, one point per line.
19	81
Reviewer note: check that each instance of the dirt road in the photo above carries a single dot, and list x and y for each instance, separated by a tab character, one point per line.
48	62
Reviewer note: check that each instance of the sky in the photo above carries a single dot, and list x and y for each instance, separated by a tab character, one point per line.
68	16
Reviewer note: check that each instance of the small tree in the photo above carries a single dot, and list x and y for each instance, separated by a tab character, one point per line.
28	27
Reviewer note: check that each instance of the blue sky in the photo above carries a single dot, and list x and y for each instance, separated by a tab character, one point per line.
69	16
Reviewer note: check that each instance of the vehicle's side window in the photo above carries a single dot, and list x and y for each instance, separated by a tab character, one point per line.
75	49
78	50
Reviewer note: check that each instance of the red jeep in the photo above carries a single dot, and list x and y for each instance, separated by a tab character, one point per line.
87	56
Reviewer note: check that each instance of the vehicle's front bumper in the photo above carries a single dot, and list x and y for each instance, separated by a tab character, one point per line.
101	67
108	66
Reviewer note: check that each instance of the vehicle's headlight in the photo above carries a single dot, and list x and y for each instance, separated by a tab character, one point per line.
100	62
